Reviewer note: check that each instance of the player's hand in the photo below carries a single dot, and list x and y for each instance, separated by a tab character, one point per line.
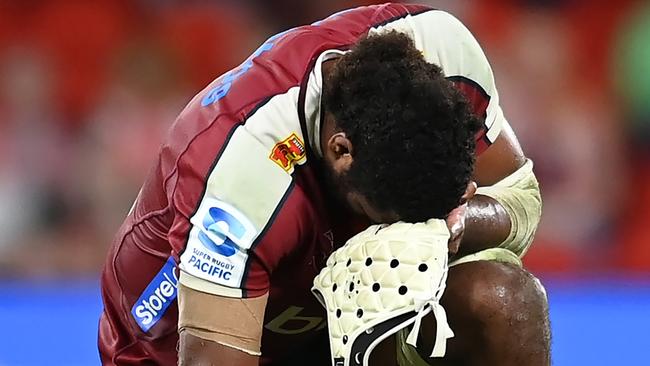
456	219
456	225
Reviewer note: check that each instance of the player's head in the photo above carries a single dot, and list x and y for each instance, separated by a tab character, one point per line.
398	138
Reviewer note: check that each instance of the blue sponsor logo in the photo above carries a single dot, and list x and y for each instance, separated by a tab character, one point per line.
224	226
156	298
212	267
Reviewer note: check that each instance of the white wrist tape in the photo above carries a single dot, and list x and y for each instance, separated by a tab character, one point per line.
382	280
519	195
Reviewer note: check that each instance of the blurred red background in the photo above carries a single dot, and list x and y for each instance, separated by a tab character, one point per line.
88	89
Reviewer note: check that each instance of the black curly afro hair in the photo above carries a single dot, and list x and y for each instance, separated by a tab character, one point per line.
412	131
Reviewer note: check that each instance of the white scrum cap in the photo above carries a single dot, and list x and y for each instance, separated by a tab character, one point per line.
382	280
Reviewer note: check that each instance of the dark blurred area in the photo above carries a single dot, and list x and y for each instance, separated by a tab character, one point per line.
88	89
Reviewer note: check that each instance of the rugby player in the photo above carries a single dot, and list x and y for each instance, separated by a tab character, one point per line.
371	115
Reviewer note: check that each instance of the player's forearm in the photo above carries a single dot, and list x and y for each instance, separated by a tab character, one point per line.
505	214
487	225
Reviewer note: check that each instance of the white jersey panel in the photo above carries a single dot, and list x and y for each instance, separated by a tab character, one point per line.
237	204
446	42
276	120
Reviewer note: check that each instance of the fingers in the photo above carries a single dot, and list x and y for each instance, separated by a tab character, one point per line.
456	225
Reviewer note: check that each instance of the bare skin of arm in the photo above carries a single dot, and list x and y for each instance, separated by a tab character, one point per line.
486	222
499	314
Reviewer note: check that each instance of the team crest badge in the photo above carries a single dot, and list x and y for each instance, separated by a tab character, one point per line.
289	152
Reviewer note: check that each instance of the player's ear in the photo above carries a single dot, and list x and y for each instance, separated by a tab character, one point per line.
470	191
339	152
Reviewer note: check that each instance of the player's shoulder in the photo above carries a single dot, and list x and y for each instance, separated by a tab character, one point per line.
433	30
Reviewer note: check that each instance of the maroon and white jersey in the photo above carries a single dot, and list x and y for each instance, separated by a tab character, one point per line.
234	199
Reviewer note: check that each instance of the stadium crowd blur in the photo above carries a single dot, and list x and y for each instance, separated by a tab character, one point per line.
88	89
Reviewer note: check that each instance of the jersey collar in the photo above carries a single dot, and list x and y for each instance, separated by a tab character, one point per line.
313	99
